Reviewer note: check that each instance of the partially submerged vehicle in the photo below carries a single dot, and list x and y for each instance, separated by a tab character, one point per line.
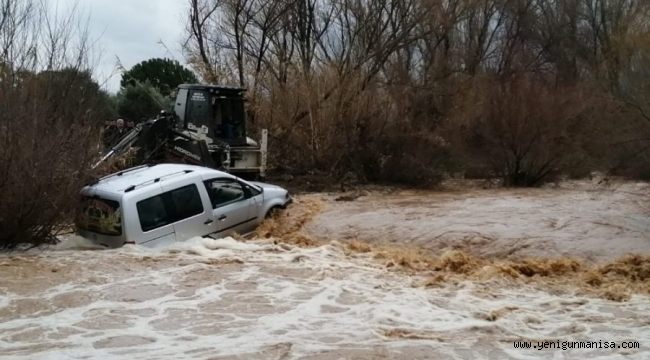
161	204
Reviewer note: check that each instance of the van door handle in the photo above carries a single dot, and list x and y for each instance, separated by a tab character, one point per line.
208	222
222	217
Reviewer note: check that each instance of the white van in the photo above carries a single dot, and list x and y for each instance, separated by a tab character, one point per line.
160	204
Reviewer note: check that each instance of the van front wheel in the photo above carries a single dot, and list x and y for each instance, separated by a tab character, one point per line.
273	212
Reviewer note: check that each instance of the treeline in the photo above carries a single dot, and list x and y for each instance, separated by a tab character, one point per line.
410	90
148	87
51	112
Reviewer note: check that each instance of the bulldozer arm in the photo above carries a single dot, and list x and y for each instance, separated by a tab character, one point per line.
156	141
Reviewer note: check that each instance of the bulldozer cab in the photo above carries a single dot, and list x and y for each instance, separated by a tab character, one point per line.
220	109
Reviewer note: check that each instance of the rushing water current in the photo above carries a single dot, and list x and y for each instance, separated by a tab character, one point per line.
265	299
223	299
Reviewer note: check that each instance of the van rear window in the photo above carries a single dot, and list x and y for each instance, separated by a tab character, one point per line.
99	215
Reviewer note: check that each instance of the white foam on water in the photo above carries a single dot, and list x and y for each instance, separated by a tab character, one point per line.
4	300
76	242
209	247
190	300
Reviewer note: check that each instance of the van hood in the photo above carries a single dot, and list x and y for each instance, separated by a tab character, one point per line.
266	186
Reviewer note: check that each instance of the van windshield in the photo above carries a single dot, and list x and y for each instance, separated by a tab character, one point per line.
99	215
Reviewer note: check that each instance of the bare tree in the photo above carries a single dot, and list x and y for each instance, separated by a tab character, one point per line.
50	111
315	68
202	56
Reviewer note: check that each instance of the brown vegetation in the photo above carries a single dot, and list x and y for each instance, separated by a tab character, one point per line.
529	131
408	91
50	111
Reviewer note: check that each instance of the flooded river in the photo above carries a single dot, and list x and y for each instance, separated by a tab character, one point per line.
270	299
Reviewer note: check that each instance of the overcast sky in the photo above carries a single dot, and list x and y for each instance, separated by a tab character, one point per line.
131	31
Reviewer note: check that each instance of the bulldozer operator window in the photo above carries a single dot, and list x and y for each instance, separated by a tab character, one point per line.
230	119
180	105
199	111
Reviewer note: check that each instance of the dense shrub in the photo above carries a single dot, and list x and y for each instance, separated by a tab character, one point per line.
352	128
50	124
50	114
140	102
525	129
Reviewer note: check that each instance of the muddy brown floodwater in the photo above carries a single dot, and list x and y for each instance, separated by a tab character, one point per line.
578	219
267	298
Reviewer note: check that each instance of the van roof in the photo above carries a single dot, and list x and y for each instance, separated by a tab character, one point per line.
132	178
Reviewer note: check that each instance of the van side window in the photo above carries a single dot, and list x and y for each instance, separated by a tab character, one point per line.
186	202
169	207
153	213
224	191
